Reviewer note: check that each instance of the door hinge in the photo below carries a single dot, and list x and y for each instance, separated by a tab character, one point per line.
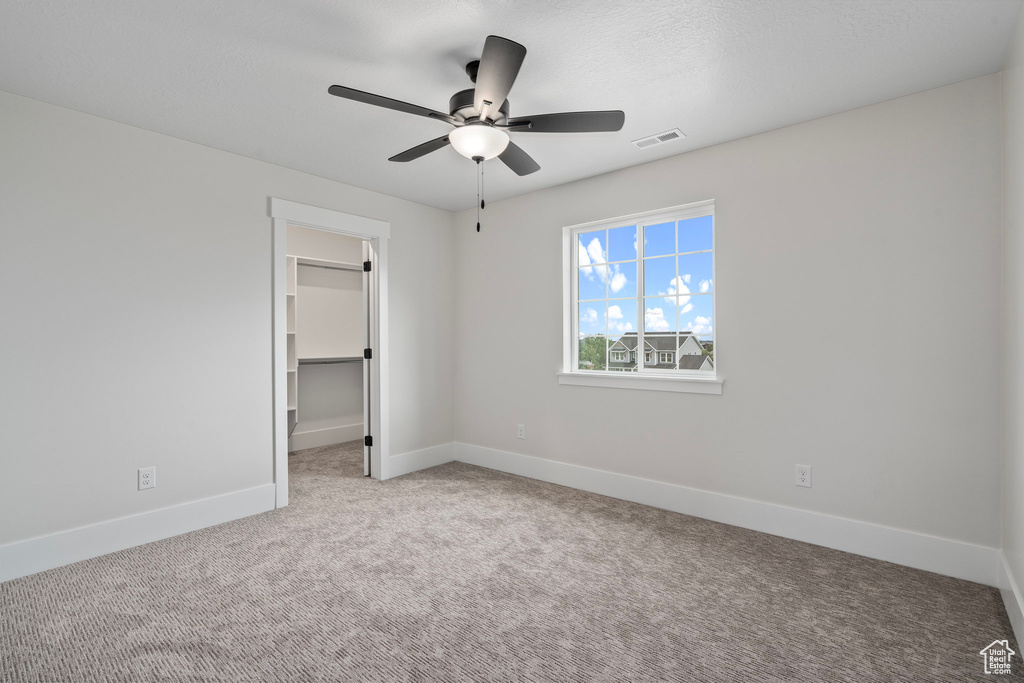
367	354
367	440
367	266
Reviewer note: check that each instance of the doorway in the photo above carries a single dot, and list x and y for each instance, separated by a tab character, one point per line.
372	235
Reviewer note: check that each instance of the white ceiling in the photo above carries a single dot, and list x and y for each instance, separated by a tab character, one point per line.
251	76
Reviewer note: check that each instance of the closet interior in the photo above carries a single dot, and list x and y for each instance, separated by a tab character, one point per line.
326	336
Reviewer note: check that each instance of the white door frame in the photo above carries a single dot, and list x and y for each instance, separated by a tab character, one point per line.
377	233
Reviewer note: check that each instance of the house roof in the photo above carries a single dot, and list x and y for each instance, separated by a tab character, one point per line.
692	362
626	341
652	341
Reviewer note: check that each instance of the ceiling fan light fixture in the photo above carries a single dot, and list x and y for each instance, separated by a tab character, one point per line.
478	140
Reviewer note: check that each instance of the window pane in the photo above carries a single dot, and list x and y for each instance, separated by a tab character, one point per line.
695	313
622	243
622	317
676	298
622	326
592	317
592	247
622	352
622	280
695	272
695	234
592	353
660	240
592	282
659	276
659	316
663	351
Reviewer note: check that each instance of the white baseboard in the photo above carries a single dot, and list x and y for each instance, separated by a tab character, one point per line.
931	553
315	438
1013	599
22	558
404	463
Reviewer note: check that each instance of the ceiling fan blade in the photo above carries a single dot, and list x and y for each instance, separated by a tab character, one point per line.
420	150
499	65
387	103
569	122
519	161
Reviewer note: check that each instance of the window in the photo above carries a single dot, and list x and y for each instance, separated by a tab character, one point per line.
642	282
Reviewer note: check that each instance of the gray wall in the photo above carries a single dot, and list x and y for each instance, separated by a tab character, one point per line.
1013	313
858	323
136	291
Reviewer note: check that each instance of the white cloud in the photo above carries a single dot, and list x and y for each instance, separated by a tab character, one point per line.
595	252
584	262
686	308
686	278
615	324
699	325
654	320
677	285
588	317
705	285
618	280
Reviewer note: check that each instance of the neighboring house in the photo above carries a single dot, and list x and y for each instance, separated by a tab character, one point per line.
661	352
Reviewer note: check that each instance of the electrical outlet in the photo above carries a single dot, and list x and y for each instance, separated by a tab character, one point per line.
803	475
147	478
521	431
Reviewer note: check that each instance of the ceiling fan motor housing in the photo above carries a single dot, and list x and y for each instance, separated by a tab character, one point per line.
461	107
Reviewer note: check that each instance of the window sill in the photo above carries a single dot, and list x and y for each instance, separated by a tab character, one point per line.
690	385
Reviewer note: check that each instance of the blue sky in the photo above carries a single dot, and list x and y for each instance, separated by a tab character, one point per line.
677	283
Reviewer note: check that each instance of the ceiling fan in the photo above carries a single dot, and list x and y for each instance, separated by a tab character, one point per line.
481	114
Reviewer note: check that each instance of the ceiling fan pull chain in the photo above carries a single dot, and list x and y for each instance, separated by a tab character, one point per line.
479	189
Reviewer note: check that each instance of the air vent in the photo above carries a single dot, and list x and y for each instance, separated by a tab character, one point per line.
651	140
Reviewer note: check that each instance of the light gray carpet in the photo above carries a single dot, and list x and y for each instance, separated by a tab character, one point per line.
460	573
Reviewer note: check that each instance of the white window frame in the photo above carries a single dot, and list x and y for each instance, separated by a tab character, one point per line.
624	356
690	381
664	357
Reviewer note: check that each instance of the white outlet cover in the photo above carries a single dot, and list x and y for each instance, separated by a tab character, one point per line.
147	478
803	475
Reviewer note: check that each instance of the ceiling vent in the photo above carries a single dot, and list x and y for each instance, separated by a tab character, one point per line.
651	140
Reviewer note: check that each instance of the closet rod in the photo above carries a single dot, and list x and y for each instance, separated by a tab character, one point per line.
348	268
329	361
